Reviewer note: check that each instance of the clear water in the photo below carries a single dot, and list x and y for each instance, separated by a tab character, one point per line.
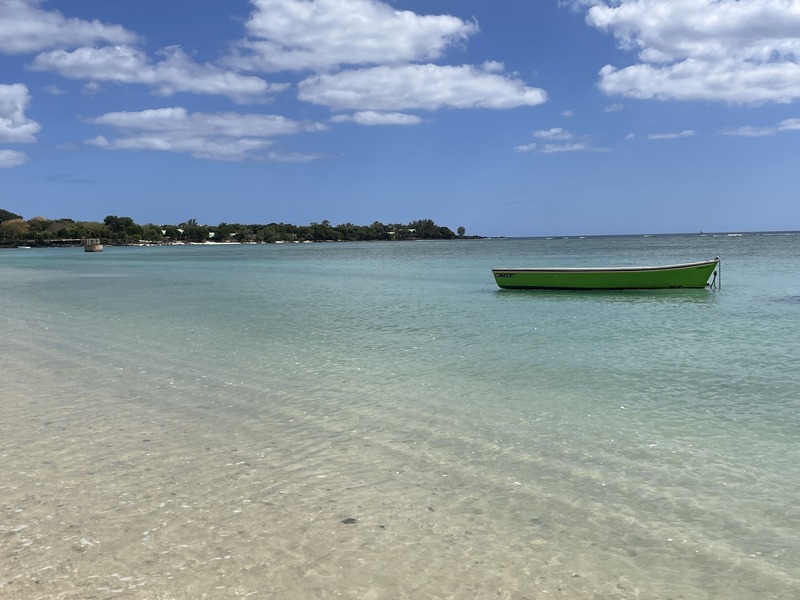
379	420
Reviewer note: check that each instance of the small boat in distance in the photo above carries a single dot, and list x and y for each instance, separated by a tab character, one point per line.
685	275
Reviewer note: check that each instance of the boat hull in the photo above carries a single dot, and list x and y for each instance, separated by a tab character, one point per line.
687	275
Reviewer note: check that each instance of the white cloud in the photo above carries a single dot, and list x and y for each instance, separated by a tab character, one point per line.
198	146
381	44
122	64
790	125
672	136
560	140
15	127
724	50
325	34
284	35
729	81
12	158
578	4
748	131
24	28
575	147
100	141
54	90
215	136
371	117
175	73
91	88
526	147
555	133
427	87
291	157
97	52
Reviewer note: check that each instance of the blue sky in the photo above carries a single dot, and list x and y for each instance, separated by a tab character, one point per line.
511	117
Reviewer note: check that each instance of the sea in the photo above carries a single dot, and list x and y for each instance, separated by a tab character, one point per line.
379	420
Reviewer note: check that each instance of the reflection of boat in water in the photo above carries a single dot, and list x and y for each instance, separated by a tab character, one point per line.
685	275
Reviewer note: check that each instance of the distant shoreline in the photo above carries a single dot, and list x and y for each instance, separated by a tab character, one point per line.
30	244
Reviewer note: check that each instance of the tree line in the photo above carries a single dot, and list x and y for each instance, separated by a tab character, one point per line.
39	231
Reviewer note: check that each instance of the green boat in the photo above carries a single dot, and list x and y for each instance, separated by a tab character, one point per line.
686	275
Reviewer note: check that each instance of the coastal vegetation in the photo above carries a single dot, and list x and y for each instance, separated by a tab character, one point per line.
115	230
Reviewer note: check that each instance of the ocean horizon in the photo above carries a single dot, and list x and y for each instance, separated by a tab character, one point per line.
379	420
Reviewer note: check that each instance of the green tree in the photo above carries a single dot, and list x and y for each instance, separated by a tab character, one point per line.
192	232
461	232
426	229
14	229
86	229
122	229
7	216
64	229
152	233
38	225
172	232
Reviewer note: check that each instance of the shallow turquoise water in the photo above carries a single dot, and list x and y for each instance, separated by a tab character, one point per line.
648	441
